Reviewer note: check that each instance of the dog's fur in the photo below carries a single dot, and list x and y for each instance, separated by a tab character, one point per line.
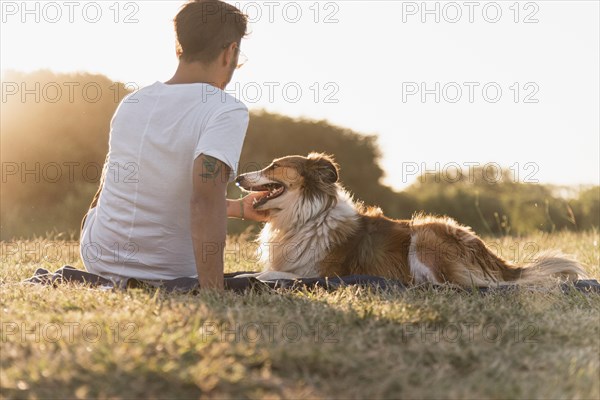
315	229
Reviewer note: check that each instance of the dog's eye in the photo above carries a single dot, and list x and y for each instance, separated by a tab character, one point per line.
274	165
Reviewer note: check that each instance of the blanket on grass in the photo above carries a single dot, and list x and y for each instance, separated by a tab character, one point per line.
191	285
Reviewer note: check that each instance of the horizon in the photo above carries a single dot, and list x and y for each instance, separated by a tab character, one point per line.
525	129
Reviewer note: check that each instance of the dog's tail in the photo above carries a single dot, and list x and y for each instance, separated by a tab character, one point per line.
548	266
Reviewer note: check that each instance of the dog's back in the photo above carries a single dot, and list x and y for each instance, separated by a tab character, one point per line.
378	246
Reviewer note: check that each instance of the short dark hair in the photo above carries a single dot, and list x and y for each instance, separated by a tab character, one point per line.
205	27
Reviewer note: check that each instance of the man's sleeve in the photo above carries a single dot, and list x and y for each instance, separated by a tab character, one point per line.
223	138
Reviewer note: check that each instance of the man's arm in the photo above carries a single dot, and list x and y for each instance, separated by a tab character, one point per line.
98	192
209	219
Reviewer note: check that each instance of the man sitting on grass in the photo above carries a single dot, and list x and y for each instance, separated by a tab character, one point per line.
160	212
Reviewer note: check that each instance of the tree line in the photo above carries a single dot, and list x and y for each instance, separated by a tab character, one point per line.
54	139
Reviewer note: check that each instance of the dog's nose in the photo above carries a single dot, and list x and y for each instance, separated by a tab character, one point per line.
238	180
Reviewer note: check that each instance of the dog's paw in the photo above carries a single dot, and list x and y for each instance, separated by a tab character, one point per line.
253	275
269	275
275	275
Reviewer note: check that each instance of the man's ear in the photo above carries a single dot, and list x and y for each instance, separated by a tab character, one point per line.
229	53
178	49
324	167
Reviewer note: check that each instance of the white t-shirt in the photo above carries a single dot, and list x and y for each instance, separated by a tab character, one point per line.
141	226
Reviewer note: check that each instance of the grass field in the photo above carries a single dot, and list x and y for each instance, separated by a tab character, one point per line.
78	342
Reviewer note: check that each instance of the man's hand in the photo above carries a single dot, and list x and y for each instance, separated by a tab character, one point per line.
243	208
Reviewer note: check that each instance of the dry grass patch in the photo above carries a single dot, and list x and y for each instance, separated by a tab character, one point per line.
349	343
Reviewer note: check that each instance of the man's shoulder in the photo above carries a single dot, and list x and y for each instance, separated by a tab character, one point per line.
222	100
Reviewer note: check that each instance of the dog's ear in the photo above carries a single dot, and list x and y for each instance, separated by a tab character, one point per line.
323	167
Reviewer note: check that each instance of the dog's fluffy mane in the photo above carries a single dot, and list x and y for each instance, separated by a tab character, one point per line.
309	229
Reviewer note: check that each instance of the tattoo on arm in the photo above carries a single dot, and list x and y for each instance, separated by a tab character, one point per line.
211	168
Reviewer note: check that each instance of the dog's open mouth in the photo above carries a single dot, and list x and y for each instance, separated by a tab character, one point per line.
273	189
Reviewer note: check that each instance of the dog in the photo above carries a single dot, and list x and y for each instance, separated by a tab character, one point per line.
316	229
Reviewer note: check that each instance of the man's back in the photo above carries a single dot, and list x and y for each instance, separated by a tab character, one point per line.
141	225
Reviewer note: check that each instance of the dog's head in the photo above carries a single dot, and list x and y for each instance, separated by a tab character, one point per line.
292	179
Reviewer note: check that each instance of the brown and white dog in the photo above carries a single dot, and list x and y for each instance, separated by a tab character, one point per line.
315	229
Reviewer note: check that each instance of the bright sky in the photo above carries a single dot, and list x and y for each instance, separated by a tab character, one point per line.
364	65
